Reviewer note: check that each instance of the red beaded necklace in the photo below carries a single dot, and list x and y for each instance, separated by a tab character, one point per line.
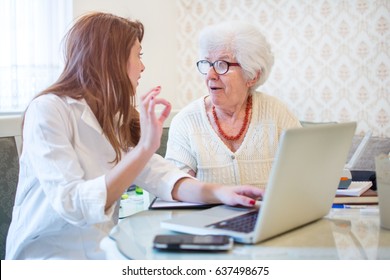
244	125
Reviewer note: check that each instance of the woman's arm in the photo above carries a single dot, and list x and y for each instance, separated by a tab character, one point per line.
192	190
132	164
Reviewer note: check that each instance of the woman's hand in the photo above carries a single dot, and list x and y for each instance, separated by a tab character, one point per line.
239	195
191	190
151	124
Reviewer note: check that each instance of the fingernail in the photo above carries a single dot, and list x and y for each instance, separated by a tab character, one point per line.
252	202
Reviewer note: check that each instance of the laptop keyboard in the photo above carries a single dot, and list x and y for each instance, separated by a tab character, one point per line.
244	223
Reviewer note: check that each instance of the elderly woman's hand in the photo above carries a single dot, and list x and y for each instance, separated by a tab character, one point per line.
191	190
239	195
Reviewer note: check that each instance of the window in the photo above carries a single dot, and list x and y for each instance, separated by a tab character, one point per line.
30	53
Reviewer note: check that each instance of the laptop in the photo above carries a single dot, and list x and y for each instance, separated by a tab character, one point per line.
359	151
301	187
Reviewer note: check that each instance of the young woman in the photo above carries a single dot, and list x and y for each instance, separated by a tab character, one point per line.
84	144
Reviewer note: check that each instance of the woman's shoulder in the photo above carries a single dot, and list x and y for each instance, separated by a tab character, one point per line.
47	110
51	105
45	103
51	100
261	98
268	105
46	98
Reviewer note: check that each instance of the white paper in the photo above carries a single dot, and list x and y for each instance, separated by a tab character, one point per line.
356	188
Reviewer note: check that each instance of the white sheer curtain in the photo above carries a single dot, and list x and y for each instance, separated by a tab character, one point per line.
31	56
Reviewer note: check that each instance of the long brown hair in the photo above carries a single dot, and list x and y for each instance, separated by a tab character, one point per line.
97	50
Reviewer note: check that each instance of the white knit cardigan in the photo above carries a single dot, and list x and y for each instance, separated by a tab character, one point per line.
193	144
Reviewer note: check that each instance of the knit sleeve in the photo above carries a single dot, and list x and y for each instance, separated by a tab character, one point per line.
276	110
287	118
179	143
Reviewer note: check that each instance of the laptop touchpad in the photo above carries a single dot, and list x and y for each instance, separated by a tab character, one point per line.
227	211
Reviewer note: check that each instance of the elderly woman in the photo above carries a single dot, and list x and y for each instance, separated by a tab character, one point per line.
230	135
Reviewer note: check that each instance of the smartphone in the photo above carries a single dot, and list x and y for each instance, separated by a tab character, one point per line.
193	242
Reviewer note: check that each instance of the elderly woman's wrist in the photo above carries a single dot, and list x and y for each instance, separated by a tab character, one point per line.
213	193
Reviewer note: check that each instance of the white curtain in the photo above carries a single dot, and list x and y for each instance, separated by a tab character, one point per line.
31	55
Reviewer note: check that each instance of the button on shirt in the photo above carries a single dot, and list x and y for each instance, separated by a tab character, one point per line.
59	207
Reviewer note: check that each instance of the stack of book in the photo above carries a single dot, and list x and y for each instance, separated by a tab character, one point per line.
359	192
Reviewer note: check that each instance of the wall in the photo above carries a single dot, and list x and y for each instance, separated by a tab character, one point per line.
332	57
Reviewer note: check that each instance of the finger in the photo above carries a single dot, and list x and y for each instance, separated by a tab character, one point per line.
250	191
147	103
165	113
244	200
246	195
160	101
153	91
167	108
256	194
152	94
152	106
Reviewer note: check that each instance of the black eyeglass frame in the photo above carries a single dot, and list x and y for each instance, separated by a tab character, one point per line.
211	64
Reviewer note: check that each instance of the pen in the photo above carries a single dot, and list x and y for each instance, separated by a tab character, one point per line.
345	206
355	206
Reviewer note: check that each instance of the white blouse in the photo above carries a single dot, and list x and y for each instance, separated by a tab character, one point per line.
61	195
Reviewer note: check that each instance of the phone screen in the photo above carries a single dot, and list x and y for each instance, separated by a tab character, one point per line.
193	242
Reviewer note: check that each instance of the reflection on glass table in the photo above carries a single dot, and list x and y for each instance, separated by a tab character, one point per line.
133	201
342	234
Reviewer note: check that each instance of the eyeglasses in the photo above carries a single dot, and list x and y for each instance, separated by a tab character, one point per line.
220	66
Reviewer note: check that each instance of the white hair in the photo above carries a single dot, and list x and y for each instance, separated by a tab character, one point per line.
246	43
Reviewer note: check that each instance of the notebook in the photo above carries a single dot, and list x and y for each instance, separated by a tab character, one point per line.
301	188
356	188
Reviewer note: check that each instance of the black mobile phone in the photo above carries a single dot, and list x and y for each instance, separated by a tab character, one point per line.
193	242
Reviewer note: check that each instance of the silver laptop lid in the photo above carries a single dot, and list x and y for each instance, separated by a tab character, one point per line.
304	177
301	187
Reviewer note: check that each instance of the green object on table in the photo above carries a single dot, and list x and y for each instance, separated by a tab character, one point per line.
138	190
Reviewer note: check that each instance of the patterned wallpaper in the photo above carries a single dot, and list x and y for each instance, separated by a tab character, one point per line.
332	57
